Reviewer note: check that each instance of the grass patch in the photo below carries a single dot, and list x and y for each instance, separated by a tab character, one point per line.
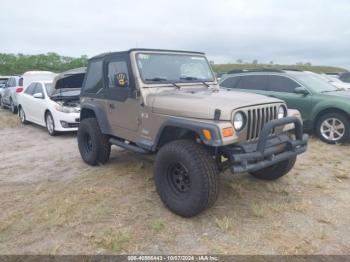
157	225
341	174
225	223
301	207
277	188
276	207
9	120
237	189
113	241
258	210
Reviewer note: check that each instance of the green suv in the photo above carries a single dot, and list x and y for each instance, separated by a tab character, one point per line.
324	108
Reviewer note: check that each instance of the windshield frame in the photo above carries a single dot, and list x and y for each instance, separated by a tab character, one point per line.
171	82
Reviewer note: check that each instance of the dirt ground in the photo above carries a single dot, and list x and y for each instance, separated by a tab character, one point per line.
53	203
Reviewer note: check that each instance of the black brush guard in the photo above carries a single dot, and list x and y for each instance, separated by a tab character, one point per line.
269	149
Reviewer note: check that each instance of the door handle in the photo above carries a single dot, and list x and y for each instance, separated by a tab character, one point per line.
111	106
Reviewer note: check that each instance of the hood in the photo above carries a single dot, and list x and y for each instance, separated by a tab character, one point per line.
70	79
202	103
344	94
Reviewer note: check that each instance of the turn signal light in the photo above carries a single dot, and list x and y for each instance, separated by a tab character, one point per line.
207	134
228	131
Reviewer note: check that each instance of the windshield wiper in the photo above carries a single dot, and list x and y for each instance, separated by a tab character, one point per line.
156	79
194	78
161	79
335	90
189	78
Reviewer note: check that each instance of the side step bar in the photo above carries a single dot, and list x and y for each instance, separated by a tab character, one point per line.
130	147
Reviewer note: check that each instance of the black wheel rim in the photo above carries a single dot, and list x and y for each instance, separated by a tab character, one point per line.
87	143
178	179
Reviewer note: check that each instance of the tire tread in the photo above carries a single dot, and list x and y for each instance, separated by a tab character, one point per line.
207	167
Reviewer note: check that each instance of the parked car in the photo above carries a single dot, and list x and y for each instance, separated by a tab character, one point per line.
345	77
16	85
334	75
3	81
336	81
9	95
35	76
168	103
325	109
220	75
54	105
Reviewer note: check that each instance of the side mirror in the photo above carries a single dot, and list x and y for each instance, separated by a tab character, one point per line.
121	79
301	90
38	95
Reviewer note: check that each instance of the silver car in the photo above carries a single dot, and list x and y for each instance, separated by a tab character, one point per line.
9	97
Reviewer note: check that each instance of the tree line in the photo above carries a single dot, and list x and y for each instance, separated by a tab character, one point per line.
16	64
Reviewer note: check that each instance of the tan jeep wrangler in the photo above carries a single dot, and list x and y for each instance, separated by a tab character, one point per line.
168	103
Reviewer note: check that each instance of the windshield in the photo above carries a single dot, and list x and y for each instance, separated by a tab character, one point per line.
3	82
315	83
167	68
52	92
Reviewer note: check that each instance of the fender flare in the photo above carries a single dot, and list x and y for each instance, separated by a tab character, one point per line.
191	125
100	116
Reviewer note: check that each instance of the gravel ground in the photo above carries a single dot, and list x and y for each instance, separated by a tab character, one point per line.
53	203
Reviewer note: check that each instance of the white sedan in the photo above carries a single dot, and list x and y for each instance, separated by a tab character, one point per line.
336	82
57	110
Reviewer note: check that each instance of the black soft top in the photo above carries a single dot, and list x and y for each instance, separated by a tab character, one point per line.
100	56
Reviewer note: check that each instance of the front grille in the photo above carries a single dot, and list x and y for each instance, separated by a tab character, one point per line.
257	117
72	125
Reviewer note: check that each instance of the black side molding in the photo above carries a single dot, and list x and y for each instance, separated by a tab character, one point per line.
131	147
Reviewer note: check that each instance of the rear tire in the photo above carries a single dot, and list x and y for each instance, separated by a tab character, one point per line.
94	147
276	171
333	128
13	108
22	116
50	124
186	177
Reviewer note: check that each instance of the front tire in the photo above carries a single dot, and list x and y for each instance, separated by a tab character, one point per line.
276	171
94	147
50	124
333	128
186	177
22	116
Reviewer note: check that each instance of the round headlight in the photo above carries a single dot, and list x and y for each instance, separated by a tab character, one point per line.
238	121
282	112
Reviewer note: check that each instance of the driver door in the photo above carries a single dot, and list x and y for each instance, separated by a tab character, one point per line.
121	102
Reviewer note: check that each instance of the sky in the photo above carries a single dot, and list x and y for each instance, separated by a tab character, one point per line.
285	32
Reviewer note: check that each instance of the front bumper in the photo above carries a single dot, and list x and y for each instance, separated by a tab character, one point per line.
269	149
66	122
